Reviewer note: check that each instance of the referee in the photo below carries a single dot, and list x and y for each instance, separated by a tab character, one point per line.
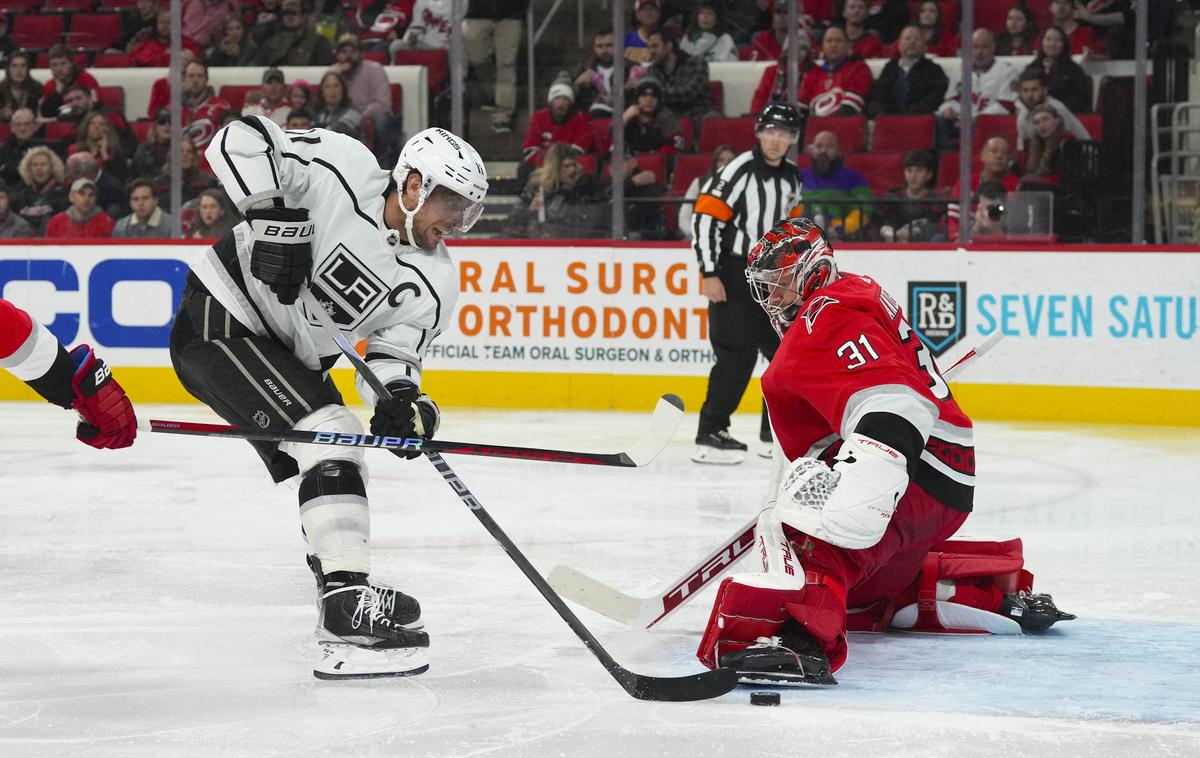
734	209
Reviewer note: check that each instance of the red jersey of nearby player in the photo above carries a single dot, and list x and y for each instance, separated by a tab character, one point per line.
852	362
23	351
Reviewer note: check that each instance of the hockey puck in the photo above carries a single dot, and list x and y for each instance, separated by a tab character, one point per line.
764	698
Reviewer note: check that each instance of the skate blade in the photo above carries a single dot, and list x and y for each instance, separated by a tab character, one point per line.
716	456
341	661
786	680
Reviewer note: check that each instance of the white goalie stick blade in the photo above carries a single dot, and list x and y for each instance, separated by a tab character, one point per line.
663	423
645	612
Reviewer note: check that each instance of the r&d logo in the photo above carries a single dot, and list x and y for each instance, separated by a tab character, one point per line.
938	313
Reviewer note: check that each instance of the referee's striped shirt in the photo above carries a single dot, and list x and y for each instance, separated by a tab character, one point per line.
740	204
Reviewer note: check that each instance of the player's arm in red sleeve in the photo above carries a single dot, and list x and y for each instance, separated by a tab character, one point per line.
864	382
76	380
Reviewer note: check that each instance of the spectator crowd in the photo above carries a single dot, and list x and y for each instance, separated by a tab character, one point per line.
879	153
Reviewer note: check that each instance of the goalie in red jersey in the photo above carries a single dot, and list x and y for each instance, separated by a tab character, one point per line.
877	473
76	380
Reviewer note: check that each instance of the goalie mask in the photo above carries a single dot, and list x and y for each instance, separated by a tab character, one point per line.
447	162
788	264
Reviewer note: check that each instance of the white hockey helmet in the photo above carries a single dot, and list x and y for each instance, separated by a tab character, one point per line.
443	160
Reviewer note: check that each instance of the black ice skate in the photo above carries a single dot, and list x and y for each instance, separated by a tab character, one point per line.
790	660
358	640
1035	613
718	447
403	610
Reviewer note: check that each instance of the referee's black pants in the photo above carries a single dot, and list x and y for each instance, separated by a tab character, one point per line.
738	330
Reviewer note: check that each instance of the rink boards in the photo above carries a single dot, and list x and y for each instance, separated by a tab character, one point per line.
1104	334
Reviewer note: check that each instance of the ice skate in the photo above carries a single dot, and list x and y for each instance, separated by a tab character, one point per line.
357	640
718	447
790	660
403	610
1035	613
766	447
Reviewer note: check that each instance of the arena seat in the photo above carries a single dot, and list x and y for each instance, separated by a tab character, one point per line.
688	167
113	98
716	96
235	94
140	129
987	127
435	61
601	138
60	130
112	60
1094	123
35	32
884	170
851	131
738	132
67	6
587	163
903	133
94	31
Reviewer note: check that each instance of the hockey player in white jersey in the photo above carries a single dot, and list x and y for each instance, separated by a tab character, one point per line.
368	244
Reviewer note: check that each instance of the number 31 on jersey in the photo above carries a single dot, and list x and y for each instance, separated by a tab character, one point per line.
858	352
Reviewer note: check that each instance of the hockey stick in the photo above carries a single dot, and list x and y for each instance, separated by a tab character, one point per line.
645	612
663	423
702	686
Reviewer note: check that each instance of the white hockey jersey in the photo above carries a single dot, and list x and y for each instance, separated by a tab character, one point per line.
397	297
993	92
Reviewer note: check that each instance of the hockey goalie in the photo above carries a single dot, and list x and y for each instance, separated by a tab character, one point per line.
876	475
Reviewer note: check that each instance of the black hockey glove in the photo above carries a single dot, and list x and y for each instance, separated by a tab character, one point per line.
407	414
281	257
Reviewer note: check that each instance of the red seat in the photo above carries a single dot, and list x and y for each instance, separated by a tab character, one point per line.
140	129
13	7
687	168
117	5
379	56
601	138
94	31
1094	123
33	32
43	61
112	60
434	60
235	94
884	170
60	130
1041	13
67	6
655	163
688	130
989	15
948	169
987	127
903	133
738	132
716	96
851	131
113	98
5	132
746	53
397	98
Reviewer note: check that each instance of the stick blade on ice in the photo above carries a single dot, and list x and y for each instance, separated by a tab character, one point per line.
602	599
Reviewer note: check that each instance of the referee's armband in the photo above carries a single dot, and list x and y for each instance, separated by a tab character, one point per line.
712	206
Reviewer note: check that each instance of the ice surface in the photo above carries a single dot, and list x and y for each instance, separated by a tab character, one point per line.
157	603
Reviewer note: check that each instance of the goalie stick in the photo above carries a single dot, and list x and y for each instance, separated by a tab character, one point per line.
645	612
663	423
702	686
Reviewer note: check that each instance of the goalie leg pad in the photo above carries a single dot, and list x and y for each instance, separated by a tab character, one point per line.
748	606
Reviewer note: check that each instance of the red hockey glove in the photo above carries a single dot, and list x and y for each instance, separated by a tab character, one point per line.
106	415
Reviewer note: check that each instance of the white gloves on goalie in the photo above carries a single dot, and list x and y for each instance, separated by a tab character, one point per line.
851	505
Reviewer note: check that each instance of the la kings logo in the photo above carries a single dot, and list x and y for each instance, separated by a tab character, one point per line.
347	288
938	311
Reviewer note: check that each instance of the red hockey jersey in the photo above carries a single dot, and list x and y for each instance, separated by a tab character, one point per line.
827	87
851	362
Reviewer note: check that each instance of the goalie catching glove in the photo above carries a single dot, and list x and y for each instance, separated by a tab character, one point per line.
281	256
851	505
407	414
